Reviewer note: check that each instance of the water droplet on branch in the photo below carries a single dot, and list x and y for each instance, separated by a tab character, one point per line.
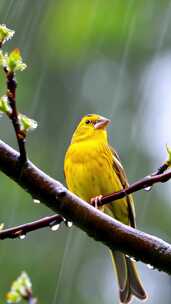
148	188
69	224
150	266
55	227
132	259
36	201
22	236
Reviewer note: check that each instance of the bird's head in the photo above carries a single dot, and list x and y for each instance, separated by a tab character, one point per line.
91	127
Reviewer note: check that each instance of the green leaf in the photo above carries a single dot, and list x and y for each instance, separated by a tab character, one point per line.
21	289
14	61
13	297
27	123
4	106
5	33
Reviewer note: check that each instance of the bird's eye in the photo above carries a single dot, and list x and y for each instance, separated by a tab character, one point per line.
88	122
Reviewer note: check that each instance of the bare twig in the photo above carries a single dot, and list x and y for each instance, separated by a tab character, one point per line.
98	225
21	230
20	134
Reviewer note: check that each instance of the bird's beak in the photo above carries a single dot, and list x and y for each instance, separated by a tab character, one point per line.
102	123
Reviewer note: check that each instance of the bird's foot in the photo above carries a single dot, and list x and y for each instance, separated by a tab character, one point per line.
95	201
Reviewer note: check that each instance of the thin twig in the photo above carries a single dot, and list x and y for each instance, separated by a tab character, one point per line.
11	94
21	230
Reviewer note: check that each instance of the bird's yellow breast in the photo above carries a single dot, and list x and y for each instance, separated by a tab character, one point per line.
89	170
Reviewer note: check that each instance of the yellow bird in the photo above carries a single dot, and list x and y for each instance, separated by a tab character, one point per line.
93	168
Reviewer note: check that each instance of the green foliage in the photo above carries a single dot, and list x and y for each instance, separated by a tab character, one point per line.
27	123
21	289
4	106
14	61
5	33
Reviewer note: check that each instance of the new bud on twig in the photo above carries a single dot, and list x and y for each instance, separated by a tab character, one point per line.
2	226
5	34
26	123
14	62
21	289
4	105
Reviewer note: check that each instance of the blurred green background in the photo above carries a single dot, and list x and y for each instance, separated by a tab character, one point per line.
108	57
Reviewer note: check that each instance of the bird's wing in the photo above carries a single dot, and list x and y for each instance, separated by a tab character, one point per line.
117	166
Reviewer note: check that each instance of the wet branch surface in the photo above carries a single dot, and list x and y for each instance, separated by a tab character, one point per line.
117	236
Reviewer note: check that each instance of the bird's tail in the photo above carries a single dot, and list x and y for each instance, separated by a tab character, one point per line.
128	278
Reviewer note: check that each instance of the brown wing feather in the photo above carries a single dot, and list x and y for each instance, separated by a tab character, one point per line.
124	181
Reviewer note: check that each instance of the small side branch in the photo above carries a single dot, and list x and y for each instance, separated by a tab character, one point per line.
19	231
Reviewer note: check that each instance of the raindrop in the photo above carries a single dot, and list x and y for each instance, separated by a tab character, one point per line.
148	188
150	266
69	224
33	124
55	227
36	201
22	236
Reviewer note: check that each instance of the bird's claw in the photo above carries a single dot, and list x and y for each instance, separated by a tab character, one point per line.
95	201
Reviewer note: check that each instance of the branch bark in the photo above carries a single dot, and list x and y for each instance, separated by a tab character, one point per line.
101	227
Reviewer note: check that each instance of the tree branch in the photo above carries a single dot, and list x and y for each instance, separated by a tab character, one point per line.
101	227
22	230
